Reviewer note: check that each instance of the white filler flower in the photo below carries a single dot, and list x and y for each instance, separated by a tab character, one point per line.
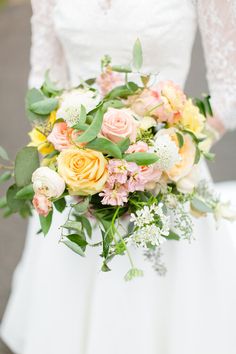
167	152
71	102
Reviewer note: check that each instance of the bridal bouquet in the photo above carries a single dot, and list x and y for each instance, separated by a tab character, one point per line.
127	153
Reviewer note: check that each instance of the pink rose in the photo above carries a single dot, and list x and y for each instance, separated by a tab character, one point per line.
150	174
62	136
119	124
140	146
109	80
42	204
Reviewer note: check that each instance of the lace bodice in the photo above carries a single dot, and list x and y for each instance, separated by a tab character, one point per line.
69	37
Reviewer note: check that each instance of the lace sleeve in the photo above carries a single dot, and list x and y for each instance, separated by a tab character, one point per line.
217	21
46	50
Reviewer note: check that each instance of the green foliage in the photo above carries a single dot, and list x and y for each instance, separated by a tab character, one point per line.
74	247
60	204
14	204
180	139
200	205
133	273
106	146
85	224
82	207
122	68
26	192
79	239
27	161
137	55
44	107
49	88
32	97
141	158
93	130
112	104
5	177
124	144
45	222
72	225
3	154
123	91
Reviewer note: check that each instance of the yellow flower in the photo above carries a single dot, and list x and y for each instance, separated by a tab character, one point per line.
38	136
191	118
83	170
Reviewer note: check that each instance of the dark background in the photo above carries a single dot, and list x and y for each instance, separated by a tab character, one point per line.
14	69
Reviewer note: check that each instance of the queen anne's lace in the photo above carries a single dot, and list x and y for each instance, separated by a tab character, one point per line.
217	20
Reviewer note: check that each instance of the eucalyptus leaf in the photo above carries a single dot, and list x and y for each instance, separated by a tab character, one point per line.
3	154
79	239
45	106
209	156
137	55
60	204
5	176
45	222
133	273
33	95
86	224
14	204
124	144
122	68
141	158
197	155
106	146
93	130
27	161
3	202
74	247
123	91
26	192
201	205
113	104
82	207
72	225
172	236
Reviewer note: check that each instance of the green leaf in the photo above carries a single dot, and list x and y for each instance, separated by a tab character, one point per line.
200	104
32	97
86	224
3	202
72	225
74	247
180	139
79	239
93	130
26	192
142	158
3	154
106	146
82	207
49	86
44	107
124	144
5	176
105	267
82	114
137	55
197	155
27	161
208	107
172	236
60	204
209	156
121	68
133	273
123	91
113	104
14	204
201	205
45	222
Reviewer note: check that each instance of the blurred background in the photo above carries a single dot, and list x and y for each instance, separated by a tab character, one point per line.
14	69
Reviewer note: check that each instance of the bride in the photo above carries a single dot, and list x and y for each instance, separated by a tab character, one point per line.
62	303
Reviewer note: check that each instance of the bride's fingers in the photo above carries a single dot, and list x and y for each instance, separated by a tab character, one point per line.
217	124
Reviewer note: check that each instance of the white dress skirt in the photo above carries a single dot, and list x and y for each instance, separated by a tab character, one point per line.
62	303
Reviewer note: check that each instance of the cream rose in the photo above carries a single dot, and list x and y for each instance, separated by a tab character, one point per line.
48	182
189	182
119	124
84	171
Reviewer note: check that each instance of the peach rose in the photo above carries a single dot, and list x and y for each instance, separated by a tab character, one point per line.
146	103
187	155
42	204
151	175
140	146
83	170
119	124
62	136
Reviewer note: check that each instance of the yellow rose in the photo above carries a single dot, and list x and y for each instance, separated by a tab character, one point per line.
83	170
38	136
191	118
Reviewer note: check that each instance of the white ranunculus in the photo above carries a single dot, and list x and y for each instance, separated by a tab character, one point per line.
48	182
71	101
189	182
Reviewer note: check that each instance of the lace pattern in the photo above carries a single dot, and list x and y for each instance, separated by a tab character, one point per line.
217	21
46	50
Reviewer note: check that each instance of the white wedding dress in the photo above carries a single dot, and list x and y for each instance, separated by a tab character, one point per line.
62	303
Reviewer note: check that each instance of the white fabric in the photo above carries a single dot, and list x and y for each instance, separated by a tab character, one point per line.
62	303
